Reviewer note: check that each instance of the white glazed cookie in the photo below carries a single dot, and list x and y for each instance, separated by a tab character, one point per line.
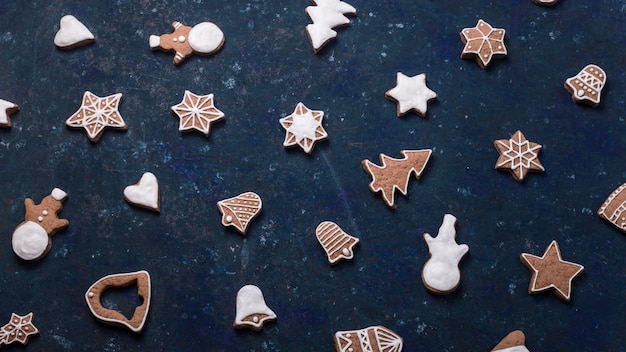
411	94
326	15
72	33
303	127
441	274
144	193
252	311
6	109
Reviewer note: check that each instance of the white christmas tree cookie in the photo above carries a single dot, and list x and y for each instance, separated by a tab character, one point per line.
326	15
303	128
7	108
144	193
252	311
239	211
411	94
441	274
72	33
31	239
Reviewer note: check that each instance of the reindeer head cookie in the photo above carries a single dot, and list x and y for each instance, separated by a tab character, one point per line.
203	39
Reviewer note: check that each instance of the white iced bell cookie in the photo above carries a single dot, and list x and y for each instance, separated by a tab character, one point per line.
441	273
144	193
72	33
411	93
252	312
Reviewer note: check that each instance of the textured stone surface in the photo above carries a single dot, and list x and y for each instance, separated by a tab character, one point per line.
264	69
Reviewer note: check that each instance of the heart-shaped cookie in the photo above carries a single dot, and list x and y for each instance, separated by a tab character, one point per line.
72	33
144	193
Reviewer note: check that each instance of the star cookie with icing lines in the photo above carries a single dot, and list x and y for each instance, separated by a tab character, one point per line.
197	112
518	155
304	128
96	113
411	93
551	272
483	42
19	328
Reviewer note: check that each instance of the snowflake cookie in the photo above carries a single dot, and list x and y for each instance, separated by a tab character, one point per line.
303	127
197	112
483	43
19	329
518	155
411	93
96	113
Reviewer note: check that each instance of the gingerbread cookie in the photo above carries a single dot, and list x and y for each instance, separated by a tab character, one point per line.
239	211
394	174
483	43
326	15
203	39
7	108
32	238
587	85
518	156
337	244
303	128
513	342
614	207
197	112
18	329
371	339
137	321
144	193
252	311
441	274
411	94
72	33
96	113
551	272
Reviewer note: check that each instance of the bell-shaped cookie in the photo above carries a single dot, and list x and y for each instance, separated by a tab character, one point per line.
240	210
337	244
252	311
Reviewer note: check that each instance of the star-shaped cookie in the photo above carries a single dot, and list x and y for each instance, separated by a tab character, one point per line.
411	93
304	128
6	109
197	112
19	328
96	113
551	272
483	42
518	156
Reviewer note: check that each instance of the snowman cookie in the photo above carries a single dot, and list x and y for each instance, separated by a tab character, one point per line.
203	39
32	238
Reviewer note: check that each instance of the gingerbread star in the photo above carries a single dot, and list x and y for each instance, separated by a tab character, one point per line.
6	109
197	112
304	128
551	272
19	328
411	93
96	113
483	42
518	156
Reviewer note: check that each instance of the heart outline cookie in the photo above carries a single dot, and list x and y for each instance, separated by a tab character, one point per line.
144	193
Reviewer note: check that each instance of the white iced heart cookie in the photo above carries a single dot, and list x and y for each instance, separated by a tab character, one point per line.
144	193
72	33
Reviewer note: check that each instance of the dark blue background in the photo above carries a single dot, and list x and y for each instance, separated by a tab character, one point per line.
264	69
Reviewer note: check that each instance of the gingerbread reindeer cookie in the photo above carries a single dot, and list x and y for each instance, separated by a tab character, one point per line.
32	238
203	39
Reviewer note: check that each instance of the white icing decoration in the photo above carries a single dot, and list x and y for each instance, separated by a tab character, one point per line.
71	32
29	241
411	93
303	127
229	219
205	37
250	301
45	212
590	79
145	193
441	271
40	218
155	41
4	105
373	338
327	14
58	194
514	349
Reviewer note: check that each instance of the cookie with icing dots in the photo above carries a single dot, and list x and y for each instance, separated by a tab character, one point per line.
204	38
252	311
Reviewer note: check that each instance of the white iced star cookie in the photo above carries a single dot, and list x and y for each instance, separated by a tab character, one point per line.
411	93
96	113
304	128
6	109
